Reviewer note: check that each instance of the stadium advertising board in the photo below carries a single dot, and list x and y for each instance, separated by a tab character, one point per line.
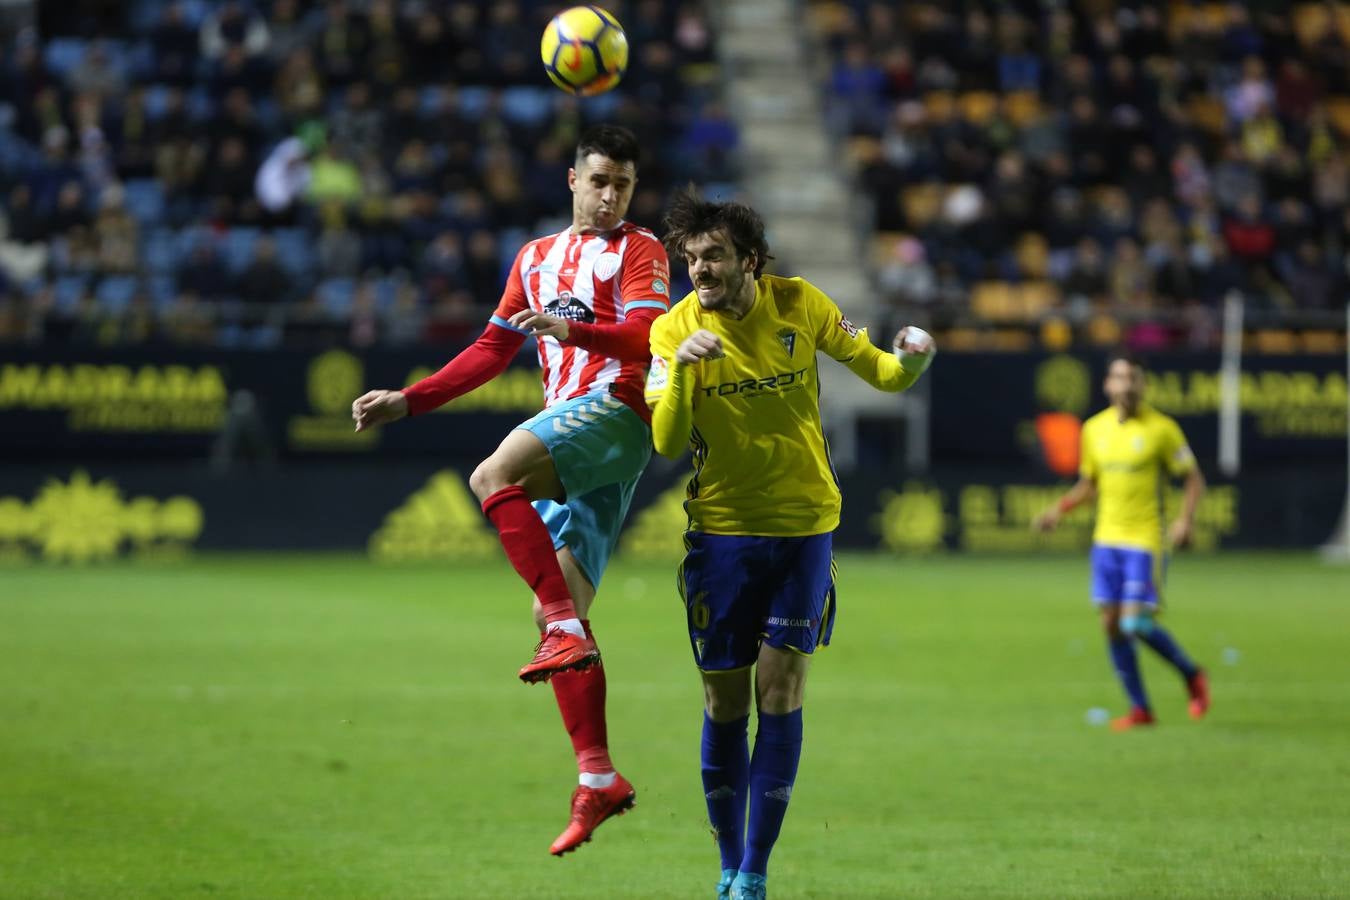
1003	407
175	403
423	511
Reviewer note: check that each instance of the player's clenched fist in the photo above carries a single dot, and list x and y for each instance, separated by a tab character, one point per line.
702	344
915	348
378	407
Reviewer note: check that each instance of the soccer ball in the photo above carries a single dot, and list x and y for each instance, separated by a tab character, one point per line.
584	50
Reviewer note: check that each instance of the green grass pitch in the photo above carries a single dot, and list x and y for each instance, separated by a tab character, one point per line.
322	727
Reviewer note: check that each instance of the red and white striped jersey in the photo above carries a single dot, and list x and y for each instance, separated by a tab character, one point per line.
593	278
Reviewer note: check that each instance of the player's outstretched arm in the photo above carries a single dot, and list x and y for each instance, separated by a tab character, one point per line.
378	407
1083	491
913	351
476	365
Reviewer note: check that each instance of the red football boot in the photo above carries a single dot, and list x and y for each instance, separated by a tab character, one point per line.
590	807
557	652
1198	687
1136	717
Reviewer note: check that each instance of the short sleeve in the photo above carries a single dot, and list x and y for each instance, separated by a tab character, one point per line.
1176	453
644	282
513	296
839	338
1087	460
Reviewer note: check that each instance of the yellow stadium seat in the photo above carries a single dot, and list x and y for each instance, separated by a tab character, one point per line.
1022	107
1208	112
1338	112
993	300
1322	341
921	203
940	106
1311	22
1275	340
978	107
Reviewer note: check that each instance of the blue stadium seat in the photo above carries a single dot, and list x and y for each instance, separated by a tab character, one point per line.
162	289
599	108
527	105
140	60
200	106
195	11
64	54
295	250
237	249
230	334
188	239
159	250
336	296
156	101
386	292
473	101
67	290
144	198
115	292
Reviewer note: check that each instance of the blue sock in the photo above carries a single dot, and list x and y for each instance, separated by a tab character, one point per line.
1165	646
726	779
1127	670
773	768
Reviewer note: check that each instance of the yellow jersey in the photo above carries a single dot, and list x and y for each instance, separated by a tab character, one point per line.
1130	462
752	418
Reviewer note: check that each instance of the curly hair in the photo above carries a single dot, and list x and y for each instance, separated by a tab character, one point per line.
690	216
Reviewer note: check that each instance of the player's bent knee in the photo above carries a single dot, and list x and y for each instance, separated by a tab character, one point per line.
489	478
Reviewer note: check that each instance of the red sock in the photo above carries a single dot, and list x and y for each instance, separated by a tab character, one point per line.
581	699
530	549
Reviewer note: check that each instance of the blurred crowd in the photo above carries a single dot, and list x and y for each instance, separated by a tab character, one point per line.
431	142
1099	163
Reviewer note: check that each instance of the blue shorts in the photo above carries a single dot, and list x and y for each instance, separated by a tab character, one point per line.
1124	575
739	591
599	448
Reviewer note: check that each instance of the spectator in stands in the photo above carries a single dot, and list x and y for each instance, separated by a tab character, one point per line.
233	25
204	275
188	104
175	47
98	74
264	280
116	234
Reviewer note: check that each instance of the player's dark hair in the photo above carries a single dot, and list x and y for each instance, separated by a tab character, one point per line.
1126	356
612	141
690	216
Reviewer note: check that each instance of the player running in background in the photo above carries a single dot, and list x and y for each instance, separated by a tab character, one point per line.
558	487
734	377
1129	450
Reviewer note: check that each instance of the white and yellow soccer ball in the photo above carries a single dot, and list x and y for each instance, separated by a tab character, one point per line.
584	50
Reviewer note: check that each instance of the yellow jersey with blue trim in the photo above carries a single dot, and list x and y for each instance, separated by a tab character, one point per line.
752	418
1131	461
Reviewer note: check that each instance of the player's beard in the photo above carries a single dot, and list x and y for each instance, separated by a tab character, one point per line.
726	291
